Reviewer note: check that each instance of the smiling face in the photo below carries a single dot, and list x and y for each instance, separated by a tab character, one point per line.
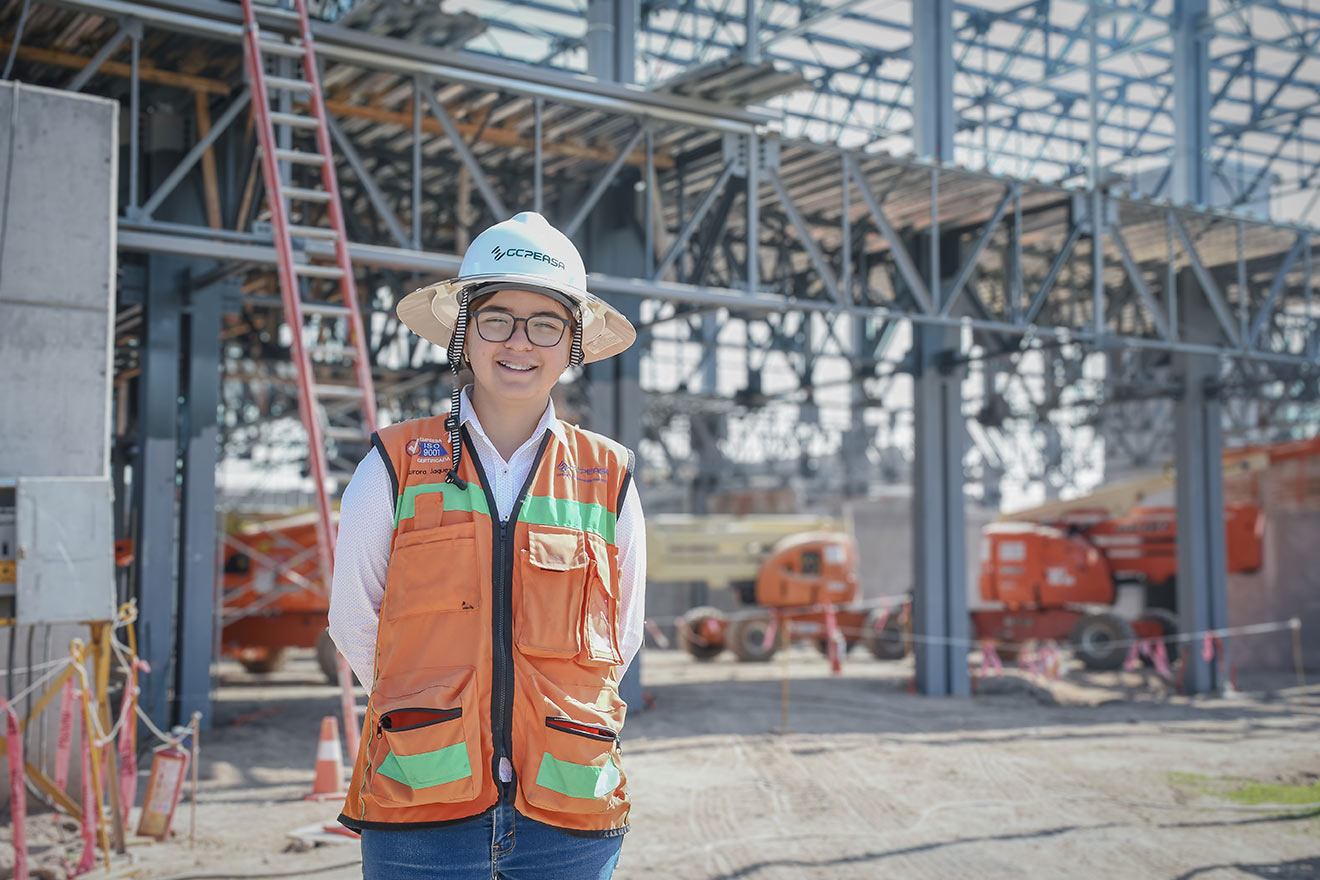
515	371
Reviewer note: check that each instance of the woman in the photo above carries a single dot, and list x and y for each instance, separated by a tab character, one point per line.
488	588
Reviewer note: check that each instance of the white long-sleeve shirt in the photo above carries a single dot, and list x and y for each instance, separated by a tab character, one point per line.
366	528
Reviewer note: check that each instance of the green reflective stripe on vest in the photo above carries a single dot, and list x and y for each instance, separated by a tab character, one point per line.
471	501
429	768
577	780
580	515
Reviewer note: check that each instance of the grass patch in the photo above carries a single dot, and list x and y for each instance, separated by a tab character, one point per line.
1249	792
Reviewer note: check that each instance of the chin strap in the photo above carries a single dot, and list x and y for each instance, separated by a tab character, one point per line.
455	355
575	353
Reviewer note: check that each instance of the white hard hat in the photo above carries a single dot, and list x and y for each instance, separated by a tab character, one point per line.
525	253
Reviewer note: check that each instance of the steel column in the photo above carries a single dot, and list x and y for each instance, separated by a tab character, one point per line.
154	473
1202	580
938	518
197	527
1191	103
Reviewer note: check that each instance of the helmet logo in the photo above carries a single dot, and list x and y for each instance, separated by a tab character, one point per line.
527	254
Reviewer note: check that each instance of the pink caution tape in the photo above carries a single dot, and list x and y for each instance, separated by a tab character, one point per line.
64	742
1160	657
990	658
1027	657
1049	661
127	751
88	860
17	792
771	631
832	638
1132	661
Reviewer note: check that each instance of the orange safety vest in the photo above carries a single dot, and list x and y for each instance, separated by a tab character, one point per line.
497	639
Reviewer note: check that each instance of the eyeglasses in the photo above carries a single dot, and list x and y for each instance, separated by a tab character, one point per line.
542	330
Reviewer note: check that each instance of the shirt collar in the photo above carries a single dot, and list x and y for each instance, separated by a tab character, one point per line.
467	414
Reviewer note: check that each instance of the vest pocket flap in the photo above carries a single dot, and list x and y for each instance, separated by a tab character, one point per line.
429	572
549	585
556	551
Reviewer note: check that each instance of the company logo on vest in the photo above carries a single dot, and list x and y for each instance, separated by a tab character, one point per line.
583	475
427	450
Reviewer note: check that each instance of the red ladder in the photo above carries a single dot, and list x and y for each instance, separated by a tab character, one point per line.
318	297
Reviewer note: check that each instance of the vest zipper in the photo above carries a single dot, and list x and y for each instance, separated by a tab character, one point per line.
501	690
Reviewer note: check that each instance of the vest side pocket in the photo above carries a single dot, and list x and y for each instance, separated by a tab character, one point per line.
552	580
576	769
600	613
426	746
428	572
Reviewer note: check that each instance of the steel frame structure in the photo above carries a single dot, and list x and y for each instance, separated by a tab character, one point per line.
778	277
1028	102
831	223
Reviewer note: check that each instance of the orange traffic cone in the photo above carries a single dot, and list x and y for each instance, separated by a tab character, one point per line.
329	782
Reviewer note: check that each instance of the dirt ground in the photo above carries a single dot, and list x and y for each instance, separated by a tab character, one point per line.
1097	775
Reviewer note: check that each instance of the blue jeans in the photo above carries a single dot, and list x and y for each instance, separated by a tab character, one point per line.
500	845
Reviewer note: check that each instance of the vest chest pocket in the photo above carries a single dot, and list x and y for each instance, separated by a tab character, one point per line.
430	572
552	584
426	745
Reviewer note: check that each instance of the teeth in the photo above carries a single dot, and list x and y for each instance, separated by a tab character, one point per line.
522	368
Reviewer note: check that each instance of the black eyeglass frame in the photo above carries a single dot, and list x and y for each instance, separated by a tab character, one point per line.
513	328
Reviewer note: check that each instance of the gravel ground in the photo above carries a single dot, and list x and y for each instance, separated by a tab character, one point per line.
1075	778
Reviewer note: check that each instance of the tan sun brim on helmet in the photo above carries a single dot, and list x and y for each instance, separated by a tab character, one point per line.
432	311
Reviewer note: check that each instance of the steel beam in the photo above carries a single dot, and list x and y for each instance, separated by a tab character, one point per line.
690	226
965	271
897	248
199	149
460	146
1139	284
111	47
374	195
804	233
1280	276
603	182
204	243
1209	287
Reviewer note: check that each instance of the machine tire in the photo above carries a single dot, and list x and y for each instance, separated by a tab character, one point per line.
693	619
1100	641
325	658
747	640
261	665
888	642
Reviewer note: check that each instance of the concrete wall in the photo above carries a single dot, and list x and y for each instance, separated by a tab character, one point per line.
57	281
57	266
1288	584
